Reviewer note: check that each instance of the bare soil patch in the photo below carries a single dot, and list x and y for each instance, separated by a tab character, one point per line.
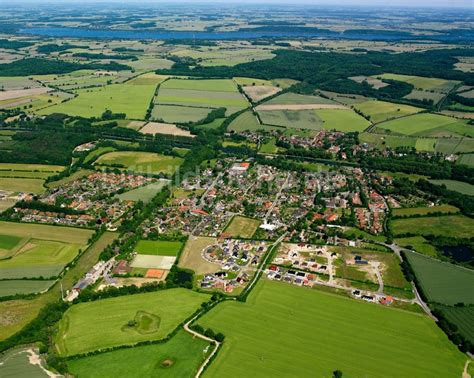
17	93
300	107
259	92
154	128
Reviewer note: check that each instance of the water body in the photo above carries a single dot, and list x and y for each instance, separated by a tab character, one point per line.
232	35
460	253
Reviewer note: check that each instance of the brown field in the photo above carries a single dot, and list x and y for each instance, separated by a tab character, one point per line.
191	256
300	107
154	128
372	81
17	93
135	125
453	113
14	103
259	92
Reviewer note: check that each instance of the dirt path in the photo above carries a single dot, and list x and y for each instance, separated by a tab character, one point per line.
465	374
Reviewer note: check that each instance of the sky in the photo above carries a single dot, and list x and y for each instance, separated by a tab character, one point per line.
384	3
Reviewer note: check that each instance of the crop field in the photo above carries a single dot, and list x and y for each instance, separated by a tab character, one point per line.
179	114
201	85
383	141
156	315
142	162
158	247
466	159
442	282
280	324
379	111
424	83
342	120
260	92
191	257
154	128
242	227
91	156
425	124
463	318
455	145
131	98
184	352
248	121
425	210
150	63
417	243
12	287
454	226
417	94
298	119
16	363
456	186
24	185
144	193
297	99
17	82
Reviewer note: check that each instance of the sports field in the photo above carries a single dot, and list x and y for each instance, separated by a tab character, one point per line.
158	247
141	162
183	352
131	98
410	211
425	124
379	111
144	193
242	227
191	257
456	186
155	315
284	330
442	282
13	287
447	225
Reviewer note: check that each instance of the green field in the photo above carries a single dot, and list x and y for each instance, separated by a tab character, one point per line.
379	111
226	85
294	98
424	83
456	226
425	144
130	98
186	353
284	330
144	193
141	162
158	247
456	186
179	114
204	99
426	124
9	241
248	121
462	317
156	315
466	159
442	282
13	287
242	227
16	363
383	141
417	243
410	211
342	120
24	185
94	154
68	179
269	147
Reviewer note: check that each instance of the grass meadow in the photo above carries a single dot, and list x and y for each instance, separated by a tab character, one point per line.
140	162
284	330
442	282
191	257
242	227
185	352
82	329
456	186
380	111
179	114
410	211
144	193
457	226
158	247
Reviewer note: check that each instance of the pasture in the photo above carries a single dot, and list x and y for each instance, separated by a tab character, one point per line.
379	111
144	193
184	351
442	282
456	186
456	226
242	227
383	141
191	257
423	83
411	211
130	98
155	314
13	287
158	247
417	243
179	114
140	162
280	324
425	144
425	124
